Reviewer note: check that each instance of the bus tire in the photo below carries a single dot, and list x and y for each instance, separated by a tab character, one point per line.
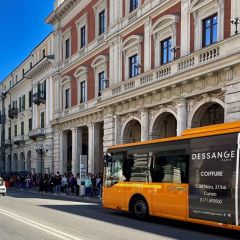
140	208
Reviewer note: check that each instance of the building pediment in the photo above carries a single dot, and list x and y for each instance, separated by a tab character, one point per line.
196	4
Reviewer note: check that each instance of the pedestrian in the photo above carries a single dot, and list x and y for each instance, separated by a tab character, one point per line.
64	183
88	186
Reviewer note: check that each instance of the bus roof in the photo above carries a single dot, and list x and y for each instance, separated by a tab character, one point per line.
224	128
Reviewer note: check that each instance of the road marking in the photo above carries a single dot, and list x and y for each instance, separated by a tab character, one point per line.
57	233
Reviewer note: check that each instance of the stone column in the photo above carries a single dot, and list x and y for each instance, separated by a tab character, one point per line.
231	96
109	132
185	30
63	152
144	125
76	149
147	45
181	116
117	130
93	147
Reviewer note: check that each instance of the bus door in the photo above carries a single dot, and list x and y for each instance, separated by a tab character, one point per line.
114	192
170	177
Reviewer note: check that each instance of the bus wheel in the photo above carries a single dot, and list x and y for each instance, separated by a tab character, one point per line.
140	208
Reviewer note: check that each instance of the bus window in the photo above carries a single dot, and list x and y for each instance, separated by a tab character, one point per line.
135	168
114	166
170	167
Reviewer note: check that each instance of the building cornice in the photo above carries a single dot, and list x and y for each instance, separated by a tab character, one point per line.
40	66
61	11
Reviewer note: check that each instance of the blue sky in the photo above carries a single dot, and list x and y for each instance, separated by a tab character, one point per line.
22	29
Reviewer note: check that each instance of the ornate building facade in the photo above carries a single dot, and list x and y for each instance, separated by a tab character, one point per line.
134	70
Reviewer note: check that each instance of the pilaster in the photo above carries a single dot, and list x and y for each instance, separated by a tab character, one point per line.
144	124
181	116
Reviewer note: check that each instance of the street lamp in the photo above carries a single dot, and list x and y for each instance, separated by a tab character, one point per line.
174	50
236	21
41	150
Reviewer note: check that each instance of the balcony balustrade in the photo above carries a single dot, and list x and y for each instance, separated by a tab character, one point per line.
39	97
37	133
18	140
13	112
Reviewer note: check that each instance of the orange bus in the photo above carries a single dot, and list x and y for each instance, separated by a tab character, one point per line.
193	177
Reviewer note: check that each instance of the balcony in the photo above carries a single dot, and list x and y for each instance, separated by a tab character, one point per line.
18	140
8	143
217	55
37	133
13	112
38	98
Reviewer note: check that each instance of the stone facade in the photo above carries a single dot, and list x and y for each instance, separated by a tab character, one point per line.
199	86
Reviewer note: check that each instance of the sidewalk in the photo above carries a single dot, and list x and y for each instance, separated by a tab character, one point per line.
94	199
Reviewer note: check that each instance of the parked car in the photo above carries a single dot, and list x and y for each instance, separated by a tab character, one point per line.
3	189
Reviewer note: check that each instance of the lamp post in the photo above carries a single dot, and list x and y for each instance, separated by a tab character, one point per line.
236	21
174	50
40	150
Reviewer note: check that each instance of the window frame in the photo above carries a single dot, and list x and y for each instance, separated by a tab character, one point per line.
133	68
42	119
67	98
101	22
83	90
22	128
168	49
133	5
211	28
99	7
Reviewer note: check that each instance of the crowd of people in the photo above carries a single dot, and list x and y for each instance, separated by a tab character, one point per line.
87	186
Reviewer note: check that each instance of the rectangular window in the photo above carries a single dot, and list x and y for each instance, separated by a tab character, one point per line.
101	22
166	54
42	120
23	102
23	73
15	130
20	104
30	98
43	53
100	82
133	66
67	48
9	133
210	32
67	98
30	124
22	128
30	64
83	92
133	5
83	37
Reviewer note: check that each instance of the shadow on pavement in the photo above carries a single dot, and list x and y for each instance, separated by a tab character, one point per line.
159	226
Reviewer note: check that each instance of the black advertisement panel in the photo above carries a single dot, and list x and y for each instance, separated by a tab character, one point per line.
212	178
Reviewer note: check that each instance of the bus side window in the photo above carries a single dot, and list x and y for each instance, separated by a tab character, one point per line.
169	167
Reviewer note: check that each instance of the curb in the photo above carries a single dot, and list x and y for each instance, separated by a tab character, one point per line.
74	197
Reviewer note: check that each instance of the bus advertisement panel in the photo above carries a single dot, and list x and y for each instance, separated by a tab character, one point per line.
213	178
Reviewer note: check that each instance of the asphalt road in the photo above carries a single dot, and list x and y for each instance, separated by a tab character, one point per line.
27	215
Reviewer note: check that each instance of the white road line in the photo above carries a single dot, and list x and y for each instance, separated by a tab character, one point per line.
57	233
